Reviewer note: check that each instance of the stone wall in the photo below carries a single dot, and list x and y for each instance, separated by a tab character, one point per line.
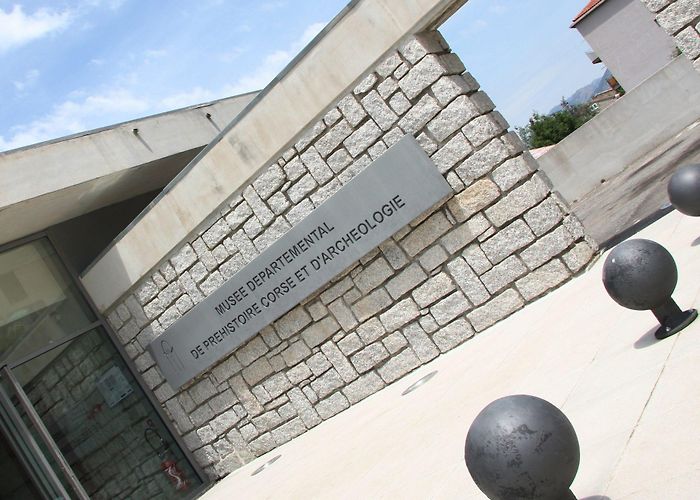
105	446
681	20
501	241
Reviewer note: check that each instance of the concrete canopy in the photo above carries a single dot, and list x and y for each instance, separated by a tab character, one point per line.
51	182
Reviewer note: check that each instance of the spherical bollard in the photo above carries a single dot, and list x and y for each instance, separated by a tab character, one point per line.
522	447
641	274
684	190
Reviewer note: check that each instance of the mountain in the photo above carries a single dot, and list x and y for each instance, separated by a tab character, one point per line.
585	94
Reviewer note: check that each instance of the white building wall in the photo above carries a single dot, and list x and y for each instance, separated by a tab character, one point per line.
624	35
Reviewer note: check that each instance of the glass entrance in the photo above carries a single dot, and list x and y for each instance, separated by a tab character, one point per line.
61	363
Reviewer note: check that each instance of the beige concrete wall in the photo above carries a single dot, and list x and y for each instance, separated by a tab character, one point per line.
634	125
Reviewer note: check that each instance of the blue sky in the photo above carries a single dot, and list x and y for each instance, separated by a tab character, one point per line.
69	66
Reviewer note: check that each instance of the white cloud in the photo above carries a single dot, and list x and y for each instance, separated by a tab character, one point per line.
74	116
18	28
29	79
273	63
183	99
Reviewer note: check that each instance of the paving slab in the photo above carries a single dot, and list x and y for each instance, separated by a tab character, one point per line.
632	400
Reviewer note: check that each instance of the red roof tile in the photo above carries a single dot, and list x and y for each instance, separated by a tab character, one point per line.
588	8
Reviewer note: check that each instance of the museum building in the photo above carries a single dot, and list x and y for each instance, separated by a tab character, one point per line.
182	293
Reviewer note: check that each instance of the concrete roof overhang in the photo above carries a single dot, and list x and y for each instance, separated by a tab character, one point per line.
330	65
48	183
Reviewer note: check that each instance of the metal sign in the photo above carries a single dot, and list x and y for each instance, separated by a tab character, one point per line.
391	192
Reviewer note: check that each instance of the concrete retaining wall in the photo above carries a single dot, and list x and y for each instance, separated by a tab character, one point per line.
643	119
501	241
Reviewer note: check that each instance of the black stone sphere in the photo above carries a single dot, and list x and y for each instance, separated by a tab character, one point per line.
684	190
522	447
640	274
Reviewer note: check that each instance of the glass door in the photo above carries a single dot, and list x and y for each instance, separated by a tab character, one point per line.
90	416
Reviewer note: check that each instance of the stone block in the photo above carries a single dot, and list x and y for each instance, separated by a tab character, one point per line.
269	181
547	247
580	255
293	169
365	84
373	275
292	322
327	383
544	216
473	199
417	46
318	364
483	161
451	153
386	88
332	117
379	111
371	330
180	261
339	160
394	342
464	234
288	431
263	444
366	385
513	237
399	103
350	343
308	135
405	281
331	406
388	65
328	142
542	279
452	118
399	365
393	254
351	109
503	274
450	336
260	209
257	371
326	191
371	304
343	314
318	332
688	41
299	211
484	128
517	201
496	309
362	138
678	15
512	172
449	308
419	115
316	166
426	233
428	71
277	384
432	290
400	314
303	407
369	357
434	257
448	87
421	344
339	361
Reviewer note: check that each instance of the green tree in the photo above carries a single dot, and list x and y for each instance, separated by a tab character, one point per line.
545	130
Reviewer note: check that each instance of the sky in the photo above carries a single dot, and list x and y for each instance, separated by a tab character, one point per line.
68	66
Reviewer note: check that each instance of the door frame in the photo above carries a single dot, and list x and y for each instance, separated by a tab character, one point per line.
111	334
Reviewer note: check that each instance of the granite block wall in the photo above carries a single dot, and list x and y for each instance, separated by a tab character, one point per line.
502	240
681	20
